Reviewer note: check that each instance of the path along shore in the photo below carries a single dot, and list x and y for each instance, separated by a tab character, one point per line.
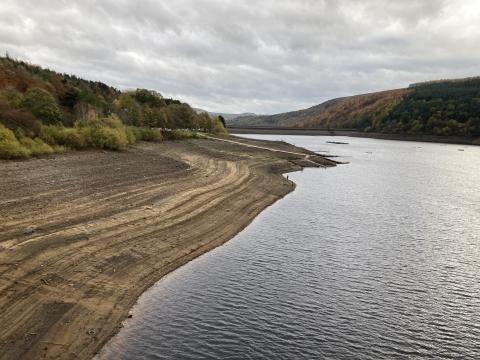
84	234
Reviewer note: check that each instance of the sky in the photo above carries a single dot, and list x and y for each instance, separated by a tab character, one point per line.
238	56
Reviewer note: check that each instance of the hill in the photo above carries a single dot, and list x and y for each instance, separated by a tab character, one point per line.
226	116
42	111
444	107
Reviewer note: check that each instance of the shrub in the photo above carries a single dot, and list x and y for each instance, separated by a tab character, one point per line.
179	134
59	135
148	134
218	127
43	105
16	119
133	134
36	146
103	137
111	121
10	147
105	133
12	97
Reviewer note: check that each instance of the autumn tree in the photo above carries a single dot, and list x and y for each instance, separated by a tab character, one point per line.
130	110
43	105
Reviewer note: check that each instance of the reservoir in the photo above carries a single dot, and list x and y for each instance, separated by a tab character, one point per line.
378	258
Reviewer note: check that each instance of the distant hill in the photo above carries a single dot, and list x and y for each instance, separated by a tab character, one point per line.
226	116
444	107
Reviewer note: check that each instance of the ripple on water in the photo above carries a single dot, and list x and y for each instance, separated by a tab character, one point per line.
378	259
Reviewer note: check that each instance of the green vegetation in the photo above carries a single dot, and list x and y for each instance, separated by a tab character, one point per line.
444	108
42	112
13	148
438	108
10	147
180	134
42	105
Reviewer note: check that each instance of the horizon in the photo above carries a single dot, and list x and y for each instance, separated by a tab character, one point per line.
7	56
265	59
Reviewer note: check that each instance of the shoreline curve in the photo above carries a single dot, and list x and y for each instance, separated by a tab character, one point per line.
83	235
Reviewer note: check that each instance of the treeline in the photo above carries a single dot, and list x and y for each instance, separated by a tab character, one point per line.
42	111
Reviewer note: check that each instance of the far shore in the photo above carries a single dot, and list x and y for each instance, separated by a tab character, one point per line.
353	133
84	234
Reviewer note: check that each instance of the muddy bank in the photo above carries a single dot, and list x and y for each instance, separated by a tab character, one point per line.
82	235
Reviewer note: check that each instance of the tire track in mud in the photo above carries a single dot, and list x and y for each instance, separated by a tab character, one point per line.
65	289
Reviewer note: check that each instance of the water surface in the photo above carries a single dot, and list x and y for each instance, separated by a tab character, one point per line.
377	259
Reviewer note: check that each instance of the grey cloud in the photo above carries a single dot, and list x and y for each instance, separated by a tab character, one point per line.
237	56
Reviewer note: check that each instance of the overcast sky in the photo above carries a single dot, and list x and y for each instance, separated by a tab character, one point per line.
248	56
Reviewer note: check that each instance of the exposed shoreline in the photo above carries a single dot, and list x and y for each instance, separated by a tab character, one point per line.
106	226
352	133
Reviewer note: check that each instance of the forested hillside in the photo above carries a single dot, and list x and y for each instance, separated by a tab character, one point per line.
448	107
42	111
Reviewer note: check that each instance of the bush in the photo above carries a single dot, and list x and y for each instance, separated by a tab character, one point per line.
179	134
104	137
43	105
218	127
59	135
133	134
17	119
105	133
148	134
10	147
36	146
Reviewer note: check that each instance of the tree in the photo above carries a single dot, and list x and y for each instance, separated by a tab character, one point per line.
154	117
130	109
222	120
218	126
69	97
149	97
43	105
204	121
182	116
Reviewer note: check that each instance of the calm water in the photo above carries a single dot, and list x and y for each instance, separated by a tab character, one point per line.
377	259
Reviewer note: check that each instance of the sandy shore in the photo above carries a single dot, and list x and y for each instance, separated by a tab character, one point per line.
83	234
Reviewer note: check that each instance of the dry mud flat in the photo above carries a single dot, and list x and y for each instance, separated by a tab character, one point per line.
83	234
